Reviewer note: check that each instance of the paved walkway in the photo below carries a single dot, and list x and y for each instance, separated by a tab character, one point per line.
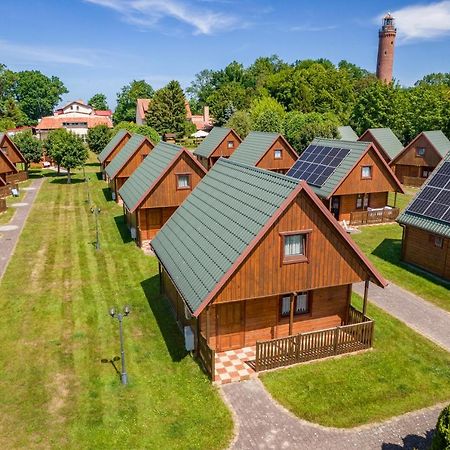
261	423
9	238
422	316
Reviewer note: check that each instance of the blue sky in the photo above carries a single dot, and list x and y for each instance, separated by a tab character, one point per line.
100	45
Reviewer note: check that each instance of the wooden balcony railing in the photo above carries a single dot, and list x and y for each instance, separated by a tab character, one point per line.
413	181
355	335
379	215
17	177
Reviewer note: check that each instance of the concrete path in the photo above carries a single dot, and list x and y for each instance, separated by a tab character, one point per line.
261	423
9	234
422	316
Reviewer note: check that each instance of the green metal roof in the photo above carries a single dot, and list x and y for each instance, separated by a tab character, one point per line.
426	223
253	147
216	223
356	151
124	155
210	143
439	141
347	133
111	145
142	179
387	140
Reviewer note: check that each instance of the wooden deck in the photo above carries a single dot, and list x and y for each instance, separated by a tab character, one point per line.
413	181
374	216
356	334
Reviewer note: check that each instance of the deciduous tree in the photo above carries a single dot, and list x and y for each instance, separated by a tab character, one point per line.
29	146
98	137
127	98
98	101
240	122
145	130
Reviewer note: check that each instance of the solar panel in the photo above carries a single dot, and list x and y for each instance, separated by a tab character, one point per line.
434	199
317	163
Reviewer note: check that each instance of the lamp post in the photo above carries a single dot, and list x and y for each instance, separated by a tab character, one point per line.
119	317
96	211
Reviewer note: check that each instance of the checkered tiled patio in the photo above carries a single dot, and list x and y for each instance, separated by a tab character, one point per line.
235	365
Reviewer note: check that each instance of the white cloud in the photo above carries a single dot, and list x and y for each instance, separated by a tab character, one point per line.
148	13
24	52
422	22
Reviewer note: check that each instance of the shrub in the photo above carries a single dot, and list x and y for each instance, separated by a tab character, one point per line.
441	438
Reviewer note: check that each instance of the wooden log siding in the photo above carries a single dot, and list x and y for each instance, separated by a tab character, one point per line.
413	181
354	336
371	217
207	356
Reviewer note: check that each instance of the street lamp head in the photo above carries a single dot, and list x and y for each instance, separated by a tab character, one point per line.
112	312
126	310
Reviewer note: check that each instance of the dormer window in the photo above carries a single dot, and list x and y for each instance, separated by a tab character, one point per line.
295	246
278	153
420	152
183	181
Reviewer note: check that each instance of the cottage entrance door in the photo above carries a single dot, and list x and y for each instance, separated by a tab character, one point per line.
230	324
335	206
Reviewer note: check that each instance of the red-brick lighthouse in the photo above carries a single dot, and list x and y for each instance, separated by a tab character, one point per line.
386	39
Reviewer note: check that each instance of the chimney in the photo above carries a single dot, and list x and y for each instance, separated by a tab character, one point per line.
206	114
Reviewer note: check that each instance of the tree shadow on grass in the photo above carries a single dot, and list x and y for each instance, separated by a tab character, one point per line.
412	441
99	175
92	164
164	317
63	180
107	194
390	250
123	229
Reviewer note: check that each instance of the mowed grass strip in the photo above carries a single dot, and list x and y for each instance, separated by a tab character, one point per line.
55	329
383	245
402	373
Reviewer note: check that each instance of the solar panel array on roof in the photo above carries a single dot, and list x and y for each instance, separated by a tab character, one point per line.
434	199
317	163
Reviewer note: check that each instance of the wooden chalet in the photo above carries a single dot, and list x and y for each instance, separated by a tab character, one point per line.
113	147
253	258
352	179
15	157
126	161
220	142
415	163
157	188
269	151
384	140
347	133
426	224
8	171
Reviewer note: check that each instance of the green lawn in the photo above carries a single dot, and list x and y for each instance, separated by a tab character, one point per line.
402	373
382	244
6	216
403	199
55	329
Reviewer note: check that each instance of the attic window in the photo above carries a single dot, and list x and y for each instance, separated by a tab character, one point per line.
230	144
5	150
295	246
366	172
420	152
183	181
438	241
277	153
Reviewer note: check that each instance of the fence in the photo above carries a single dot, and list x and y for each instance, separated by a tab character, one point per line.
3	206
207	356
413	181
374	216
316	344
5	191
17	177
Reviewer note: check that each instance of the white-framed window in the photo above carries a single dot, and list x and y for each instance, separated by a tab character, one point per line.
230	144
278	153
366	172
420	151
183	181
